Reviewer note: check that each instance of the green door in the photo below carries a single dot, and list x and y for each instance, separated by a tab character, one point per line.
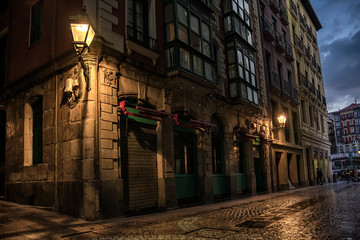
185	164
257	169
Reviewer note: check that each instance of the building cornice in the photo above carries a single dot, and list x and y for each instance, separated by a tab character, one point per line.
309	9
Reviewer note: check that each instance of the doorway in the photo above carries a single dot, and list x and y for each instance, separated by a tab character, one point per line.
278	160
139	166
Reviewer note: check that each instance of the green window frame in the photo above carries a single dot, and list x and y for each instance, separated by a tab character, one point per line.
188	38
241	72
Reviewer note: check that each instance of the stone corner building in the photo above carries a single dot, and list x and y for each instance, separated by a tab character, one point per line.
171	105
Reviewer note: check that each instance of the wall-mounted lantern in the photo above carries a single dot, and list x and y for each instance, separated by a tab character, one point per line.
82	33
281	121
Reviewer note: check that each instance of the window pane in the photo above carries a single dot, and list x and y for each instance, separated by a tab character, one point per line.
184	59
243	32
243	91
170	57
194	22
183	34
247	76
206	49
246	7
227	24
170	32
195	41
169	16
237	26
208	71
240	57
246	62
230	55
256	99
241	72
182	15
226	5
232	71
249	92
253	80
249	37
234	5
252	66
198	66
205	31
233	90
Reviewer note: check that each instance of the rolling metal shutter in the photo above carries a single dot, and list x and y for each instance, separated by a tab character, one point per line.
139	166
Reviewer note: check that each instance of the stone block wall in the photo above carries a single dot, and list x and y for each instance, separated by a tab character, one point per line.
29	183
111	186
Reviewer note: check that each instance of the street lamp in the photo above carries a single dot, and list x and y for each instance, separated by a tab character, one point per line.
82	34
281	121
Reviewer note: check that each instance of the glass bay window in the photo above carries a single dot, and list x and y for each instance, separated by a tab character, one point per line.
241	72
188	38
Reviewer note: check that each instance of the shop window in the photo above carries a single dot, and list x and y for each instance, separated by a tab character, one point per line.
36	22
33	130
184	144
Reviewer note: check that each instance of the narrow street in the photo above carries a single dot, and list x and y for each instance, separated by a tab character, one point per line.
330	211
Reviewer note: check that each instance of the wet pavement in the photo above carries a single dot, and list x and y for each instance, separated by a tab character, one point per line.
330	211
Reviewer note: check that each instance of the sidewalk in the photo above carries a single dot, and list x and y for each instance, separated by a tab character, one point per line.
31	222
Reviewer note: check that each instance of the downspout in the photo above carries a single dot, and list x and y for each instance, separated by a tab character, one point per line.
56	204
53	45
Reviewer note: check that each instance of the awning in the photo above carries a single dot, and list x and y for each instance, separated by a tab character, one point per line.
159	116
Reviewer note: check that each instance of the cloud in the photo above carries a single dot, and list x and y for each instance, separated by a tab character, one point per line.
341	71
339	43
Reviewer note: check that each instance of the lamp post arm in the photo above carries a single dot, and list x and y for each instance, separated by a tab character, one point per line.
85	68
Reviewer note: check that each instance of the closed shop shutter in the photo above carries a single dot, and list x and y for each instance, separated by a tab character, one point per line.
139	166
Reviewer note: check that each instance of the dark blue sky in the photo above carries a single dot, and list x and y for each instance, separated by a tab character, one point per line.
339	42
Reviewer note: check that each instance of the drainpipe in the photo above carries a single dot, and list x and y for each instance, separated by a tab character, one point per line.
56	203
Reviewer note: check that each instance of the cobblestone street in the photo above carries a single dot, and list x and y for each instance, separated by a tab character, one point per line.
331	211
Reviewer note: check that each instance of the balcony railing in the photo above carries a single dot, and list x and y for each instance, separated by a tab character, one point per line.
324	100
274	80
302	21
304	81
313	39
139	38
280	43
293	7
283	14
307	52
274	5
289	52
312	88
313	61
298	43
285	89
294	95
318	68
318	94
268	29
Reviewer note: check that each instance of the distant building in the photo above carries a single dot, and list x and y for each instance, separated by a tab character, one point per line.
331	133
346	136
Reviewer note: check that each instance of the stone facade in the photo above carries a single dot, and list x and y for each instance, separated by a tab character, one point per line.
138	126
